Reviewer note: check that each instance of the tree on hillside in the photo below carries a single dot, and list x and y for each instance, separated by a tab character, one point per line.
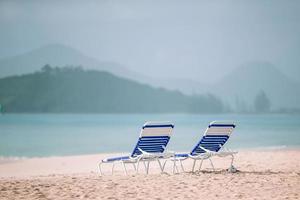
262	103
74	90
46	68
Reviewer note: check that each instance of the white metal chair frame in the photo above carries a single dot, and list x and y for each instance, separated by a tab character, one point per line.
206	153
145	157
223	152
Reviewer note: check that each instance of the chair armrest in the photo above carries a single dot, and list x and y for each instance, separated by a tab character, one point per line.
206	150
165	154
143	152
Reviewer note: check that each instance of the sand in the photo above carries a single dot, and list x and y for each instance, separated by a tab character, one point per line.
262	174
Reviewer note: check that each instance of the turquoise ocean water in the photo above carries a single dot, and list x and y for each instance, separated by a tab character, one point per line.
31	135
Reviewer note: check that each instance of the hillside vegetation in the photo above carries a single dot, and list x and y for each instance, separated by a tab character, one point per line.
74	90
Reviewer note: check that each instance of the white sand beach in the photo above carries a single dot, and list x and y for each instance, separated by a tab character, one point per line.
263	174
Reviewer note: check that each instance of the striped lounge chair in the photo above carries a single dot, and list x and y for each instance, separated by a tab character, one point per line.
151	146
211	144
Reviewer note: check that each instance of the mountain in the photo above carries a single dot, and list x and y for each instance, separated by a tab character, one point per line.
74	90
62	55
238	88
186	86
57	55
245	82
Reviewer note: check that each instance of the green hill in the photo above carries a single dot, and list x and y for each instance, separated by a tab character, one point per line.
74	90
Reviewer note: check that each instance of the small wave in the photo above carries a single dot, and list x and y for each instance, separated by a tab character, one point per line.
261	148
275	147
7	159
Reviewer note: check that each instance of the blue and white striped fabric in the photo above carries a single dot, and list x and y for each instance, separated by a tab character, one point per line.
215	136
154	138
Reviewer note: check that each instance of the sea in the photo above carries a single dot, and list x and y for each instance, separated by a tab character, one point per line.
44	135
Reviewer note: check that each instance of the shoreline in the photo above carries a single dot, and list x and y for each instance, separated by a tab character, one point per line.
36	166
3	158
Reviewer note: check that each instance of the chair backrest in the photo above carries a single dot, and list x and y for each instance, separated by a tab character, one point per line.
154	137
215	136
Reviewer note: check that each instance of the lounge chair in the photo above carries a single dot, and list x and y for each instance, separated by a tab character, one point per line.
211	144
151	146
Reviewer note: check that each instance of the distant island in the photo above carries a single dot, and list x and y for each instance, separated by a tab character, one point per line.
256	86
74	90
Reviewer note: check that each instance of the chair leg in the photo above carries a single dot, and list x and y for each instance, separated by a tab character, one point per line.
145	166
181	165
164	165
137	166
112	169
99	168
232	158
232	169
134	167
161	167
194	165
200	164
148	165
212	165
174	165
125	170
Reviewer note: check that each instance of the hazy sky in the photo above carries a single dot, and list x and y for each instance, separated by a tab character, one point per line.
184	39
